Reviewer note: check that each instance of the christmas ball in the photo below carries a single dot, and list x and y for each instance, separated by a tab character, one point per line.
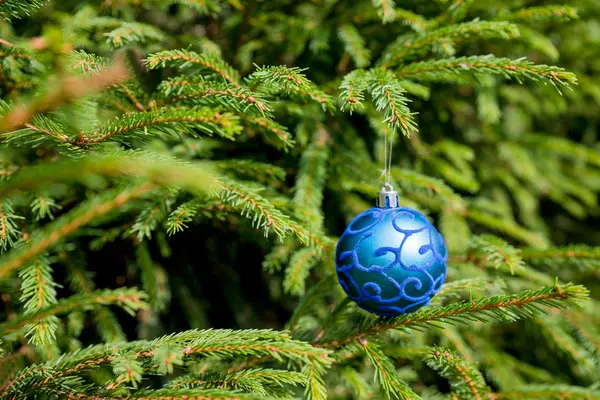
391	260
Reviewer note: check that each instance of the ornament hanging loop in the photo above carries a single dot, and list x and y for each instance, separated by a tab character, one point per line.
387	197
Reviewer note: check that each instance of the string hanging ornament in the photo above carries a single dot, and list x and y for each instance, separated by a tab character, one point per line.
391	260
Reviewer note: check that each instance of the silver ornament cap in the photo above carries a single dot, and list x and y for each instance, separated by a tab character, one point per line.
387	197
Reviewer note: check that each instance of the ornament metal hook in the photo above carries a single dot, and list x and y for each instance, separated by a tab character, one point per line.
387	197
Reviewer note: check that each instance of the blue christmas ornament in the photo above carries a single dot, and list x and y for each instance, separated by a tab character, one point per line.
391	260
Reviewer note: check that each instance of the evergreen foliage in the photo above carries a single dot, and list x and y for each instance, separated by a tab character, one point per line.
210	152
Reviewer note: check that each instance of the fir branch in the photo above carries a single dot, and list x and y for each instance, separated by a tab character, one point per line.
194	62
204	7
273	131
444	38
498	253
447	70
278	78
542	13
254	206
152	278
200	91
311	177
257	381
169	120
466	381
106	322
291	82
385	9
411	179
152	215
385	373
130	299
354	45
42	206
259	171
581	256
563	343
195	394
352	89
456	289
69	88
133	32
9	230
550	392
563	147
68	224
505	308
226	344
194	177
315	387
416	22
38	291
388	96
507	227
179	218
298	269
17	9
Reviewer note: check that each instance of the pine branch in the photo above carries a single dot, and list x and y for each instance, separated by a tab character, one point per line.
498	253
42	206
208	65
385	373
226	344
298	269
107	324
352	89
415	21
129	299
204	7
69	88
388	96
290	82
195	177
202	92
152	278
254	206
457	289
310	179
17	9
38	291
256	170
580	256
258	381
448	70
525	304
557	337
168	120
179	218
543	13
152	215
274	132
68	224
550	392
444	38
9	230
354	44
465	380
562	147
133	32
385	9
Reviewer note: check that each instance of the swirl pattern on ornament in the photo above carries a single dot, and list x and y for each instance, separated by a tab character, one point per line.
391	261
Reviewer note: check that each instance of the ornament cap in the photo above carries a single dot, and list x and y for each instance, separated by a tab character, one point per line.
387	197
